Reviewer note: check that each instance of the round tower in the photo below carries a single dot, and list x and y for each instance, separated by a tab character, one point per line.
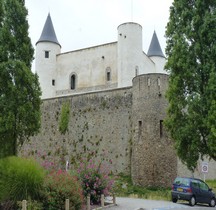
47	47
154	161
129	52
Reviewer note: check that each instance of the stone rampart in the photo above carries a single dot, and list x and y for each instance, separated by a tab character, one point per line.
123	127
99	126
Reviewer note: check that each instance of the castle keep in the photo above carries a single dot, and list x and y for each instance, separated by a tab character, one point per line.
109	66
116	95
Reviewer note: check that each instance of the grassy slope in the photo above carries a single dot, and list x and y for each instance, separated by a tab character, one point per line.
212	184
124	187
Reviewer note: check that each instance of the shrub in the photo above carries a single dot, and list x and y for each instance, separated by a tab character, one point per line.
95	180
20	179
59	186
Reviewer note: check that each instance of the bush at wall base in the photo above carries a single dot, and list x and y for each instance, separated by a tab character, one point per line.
20	179
60	186
95	179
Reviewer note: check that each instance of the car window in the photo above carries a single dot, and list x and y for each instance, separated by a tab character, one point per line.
203	186
195	183
177	181
182	181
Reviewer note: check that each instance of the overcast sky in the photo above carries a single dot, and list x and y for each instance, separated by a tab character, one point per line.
84	23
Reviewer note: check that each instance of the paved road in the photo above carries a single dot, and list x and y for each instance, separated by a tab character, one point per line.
142	204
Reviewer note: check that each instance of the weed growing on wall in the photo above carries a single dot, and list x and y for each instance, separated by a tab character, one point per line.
65	116
95	179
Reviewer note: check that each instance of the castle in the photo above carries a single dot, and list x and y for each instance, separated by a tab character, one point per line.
103	67
116	94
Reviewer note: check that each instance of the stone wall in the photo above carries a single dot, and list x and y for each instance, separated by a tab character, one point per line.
154	161
123	127
99	126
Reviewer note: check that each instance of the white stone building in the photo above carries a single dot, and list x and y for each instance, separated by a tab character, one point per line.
107	66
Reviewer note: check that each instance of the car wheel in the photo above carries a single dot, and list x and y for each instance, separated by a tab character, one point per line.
192	201
212	202
174	200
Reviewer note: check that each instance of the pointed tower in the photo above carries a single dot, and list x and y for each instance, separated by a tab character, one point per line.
156	54
47	47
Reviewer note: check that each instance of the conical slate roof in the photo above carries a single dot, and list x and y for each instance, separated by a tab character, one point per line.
48	33
155	48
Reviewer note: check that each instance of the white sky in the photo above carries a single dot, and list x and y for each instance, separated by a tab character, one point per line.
84	23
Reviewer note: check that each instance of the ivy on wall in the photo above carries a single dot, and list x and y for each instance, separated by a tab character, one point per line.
64	119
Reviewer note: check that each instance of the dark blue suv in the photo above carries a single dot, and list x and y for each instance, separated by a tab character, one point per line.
192	190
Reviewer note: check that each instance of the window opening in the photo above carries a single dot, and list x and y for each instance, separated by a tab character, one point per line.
140	130
53	82
159	81
108	76
149	81
46	54
136	71
73	82
161	128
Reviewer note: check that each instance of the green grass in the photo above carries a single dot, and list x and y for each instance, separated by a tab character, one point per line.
212	184
125	188
20	179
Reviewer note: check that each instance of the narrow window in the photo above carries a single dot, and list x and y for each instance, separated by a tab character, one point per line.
73	82
46	54
108	76
140	130
149	82
136	71
161	128
158	81
53	82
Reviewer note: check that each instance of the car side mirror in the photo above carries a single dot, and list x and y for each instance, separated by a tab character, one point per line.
210	189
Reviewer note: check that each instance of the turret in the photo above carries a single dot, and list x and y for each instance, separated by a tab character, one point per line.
129	52
47	47
156	54
153	160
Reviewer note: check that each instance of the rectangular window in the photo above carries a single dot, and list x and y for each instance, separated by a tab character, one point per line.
161	128
46	54
53	82
108	76
140	131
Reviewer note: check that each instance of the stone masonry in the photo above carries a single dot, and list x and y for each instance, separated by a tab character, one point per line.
123	127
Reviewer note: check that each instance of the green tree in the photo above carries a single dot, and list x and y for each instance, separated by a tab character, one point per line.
19	87
191	52
1	14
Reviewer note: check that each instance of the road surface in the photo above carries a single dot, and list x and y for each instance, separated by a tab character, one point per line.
142	204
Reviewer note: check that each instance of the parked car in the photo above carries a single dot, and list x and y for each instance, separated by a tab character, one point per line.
192	190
